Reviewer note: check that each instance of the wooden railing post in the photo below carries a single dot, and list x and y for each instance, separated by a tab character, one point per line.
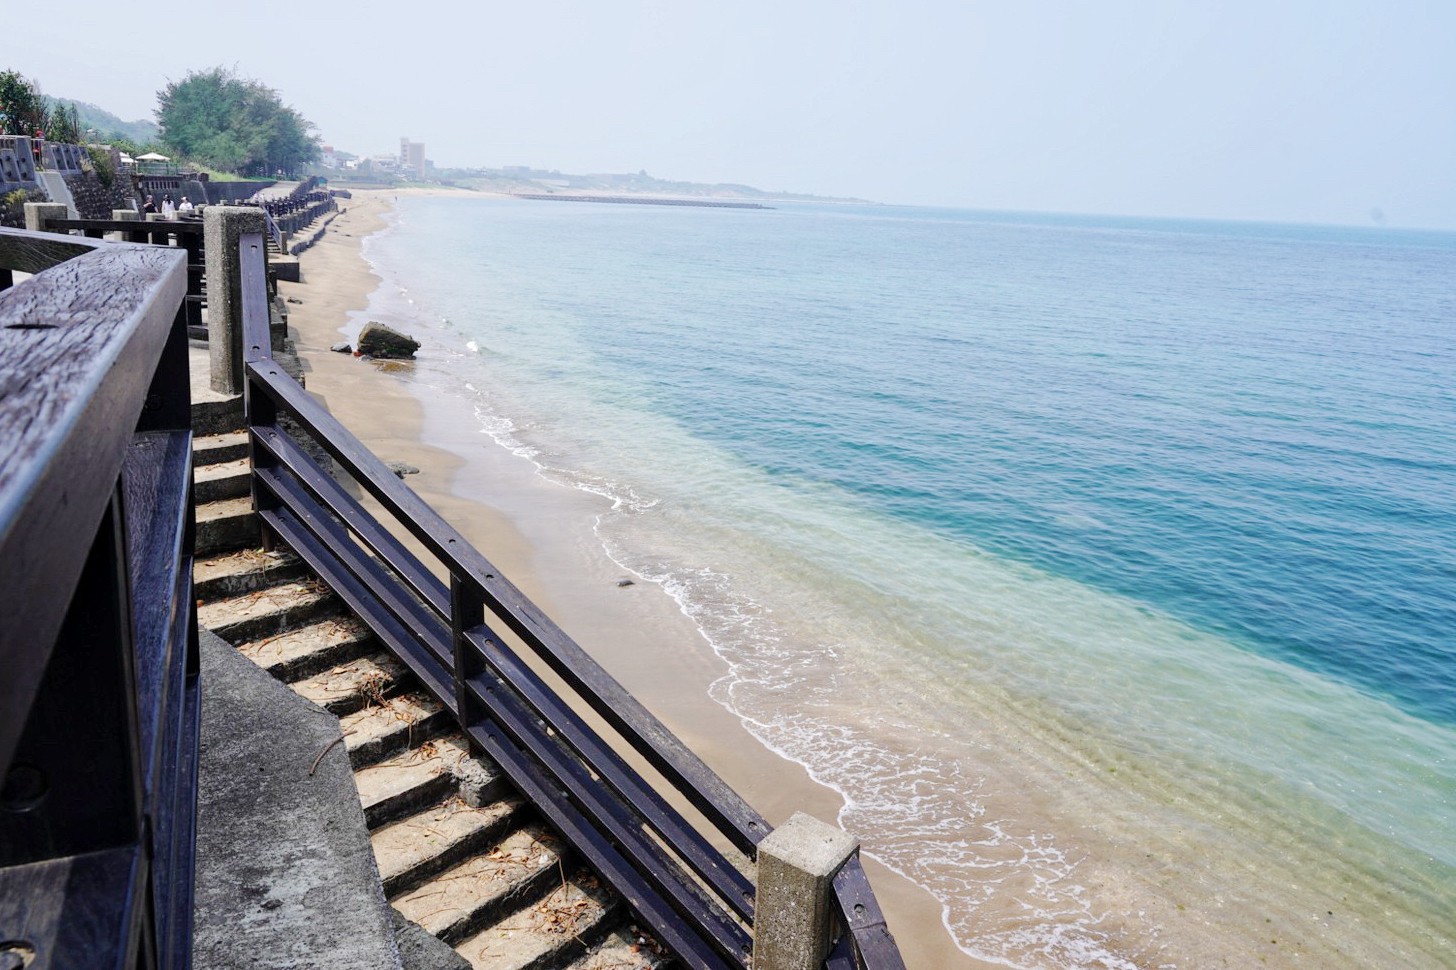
794	921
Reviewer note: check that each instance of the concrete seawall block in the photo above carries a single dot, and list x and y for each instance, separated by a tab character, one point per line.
285	871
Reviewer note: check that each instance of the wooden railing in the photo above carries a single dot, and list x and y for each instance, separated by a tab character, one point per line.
471	640
99	700
185	234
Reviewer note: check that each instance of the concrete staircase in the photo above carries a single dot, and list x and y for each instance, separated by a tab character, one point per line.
457	851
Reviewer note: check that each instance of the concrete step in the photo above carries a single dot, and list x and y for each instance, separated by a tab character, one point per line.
302	652
407	721
410	780
240	571
413	849
210	449
227	525
516	873
270	610
348	687
222	480
558	929
217	416
624	949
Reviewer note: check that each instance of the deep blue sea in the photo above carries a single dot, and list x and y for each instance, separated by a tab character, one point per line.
1055	544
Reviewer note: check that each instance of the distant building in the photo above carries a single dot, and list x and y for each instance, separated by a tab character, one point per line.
412	157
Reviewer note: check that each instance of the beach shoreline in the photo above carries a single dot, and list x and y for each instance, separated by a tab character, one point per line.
1002	802
539	534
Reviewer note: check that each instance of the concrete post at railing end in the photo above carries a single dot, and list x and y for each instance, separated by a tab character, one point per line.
222	226
793	918
125	215
36	213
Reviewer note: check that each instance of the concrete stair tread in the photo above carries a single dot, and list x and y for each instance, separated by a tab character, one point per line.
563	921
409	778
228	508
232	573
455	902
621	950
439	836
226	523
221	480
227	446
268	610
235	468
349	686
378	730
308	650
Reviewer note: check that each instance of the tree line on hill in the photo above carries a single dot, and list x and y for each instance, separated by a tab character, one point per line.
212	118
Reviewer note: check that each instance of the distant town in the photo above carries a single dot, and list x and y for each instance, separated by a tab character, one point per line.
410	165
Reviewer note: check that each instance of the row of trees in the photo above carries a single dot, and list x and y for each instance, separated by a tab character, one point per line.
235	125
214	118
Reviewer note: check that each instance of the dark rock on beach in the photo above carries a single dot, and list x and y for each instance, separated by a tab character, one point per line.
377	340
342	347
401	469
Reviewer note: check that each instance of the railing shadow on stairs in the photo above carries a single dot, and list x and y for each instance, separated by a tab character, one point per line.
480	646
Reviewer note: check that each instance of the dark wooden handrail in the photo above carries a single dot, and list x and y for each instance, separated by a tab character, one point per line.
99	700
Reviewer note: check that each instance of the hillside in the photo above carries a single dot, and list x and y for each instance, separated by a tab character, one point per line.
108	126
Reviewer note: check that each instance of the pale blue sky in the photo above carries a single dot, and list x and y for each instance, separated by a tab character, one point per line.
1285	110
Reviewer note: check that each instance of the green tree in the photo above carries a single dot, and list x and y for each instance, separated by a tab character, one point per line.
233	124
22	105
65	125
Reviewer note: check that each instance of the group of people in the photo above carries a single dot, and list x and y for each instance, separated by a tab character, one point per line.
168	209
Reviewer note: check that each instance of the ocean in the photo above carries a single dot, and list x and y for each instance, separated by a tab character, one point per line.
1106	567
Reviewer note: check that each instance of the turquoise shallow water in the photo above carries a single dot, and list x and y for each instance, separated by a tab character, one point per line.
950	492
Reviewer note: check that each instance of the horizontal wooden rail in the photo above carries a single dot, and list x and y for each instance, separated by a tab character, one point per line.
708	793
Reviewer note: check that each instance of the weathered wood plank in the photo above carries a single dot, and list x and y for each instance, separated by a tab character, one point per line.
863	919
32	252
155	484
78	345
178	227
82	911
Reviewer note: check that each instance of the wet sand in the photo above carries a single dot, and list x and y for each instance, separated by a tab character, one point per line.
540	536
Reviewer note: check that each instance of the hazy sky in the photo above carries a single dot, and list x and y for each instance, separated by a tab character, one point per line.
1289	110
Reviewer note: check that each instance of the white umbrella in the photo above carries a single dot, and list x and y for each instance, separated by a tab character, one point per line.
152	157
127	158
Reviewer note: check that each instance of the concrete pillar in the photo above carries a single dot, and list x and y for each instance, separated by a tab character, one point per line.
793	919
123	215
221	229
36	213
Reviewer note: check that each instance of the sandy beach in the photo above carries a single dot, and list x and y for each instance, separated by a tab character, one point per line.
539	534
